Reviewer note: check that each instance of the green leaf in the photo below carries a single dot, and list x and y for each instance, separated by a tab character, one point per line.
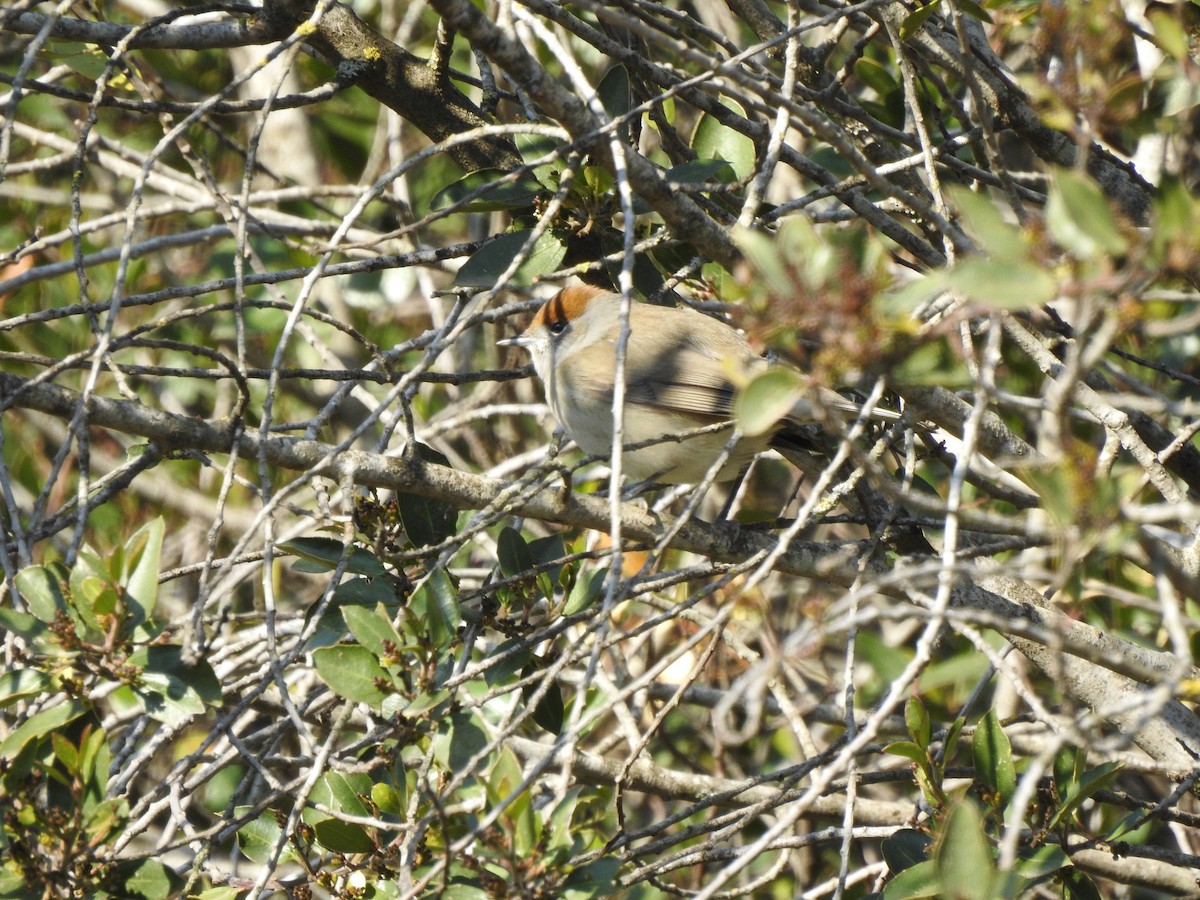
373	629
975	11
701	171
459	739
1080	219
908	750
170	689
385	797
769	265
596	879
768	397
142	553
1169	32
964	857
23	625
41	591
714	140
915	883
916	717
876	76
1003	284
258	838
549	712
323	555
495	193
218	893
904	849
435	603
915	20
614	92
343	837
1042	861
353	672
39	725
22	684
1083	788
512	552
341	793
146	878
982	220
485	266
1078	886
993	758
426	520
535	147
560	835
585	591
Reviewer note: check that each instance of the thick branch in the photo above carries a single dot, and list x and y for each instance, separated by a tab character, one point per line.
399	80
190	36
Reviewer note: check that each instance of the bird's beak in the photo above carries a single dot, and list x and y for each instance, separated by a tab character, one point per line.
519	341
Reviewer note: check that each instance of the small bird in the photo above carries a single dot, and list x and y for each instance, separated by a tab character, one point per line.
683	370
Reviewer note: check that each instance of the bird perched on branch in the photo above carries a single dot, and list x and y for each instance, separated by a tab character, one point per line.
683	371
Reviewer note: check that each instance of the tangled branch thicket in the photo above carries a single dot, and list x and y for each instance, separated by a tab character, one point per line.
300	600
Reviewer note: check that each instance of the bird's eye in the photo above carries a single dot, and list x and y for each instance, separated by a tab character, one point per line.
557	327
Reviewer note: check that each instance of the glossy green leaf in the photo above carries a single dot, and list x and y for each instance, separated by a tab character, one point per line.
614	91
596	879
1042	861
964	857
513	552
258	838
24	625
170	689
373	629
916	717
353	672
714	140
916	19
1084	788
904	849
40	589
485	266
427	521
588	586
459	740
343	837
908	750
489	192
40	724
386	798
993	757
435	603
768	398
550	710
560	837
146	878
322	554
342	793
22	684
914	883
876	76
142	554
701	171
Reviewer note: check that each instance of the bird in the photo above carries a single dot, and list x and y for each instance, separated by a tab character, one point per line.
683	371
